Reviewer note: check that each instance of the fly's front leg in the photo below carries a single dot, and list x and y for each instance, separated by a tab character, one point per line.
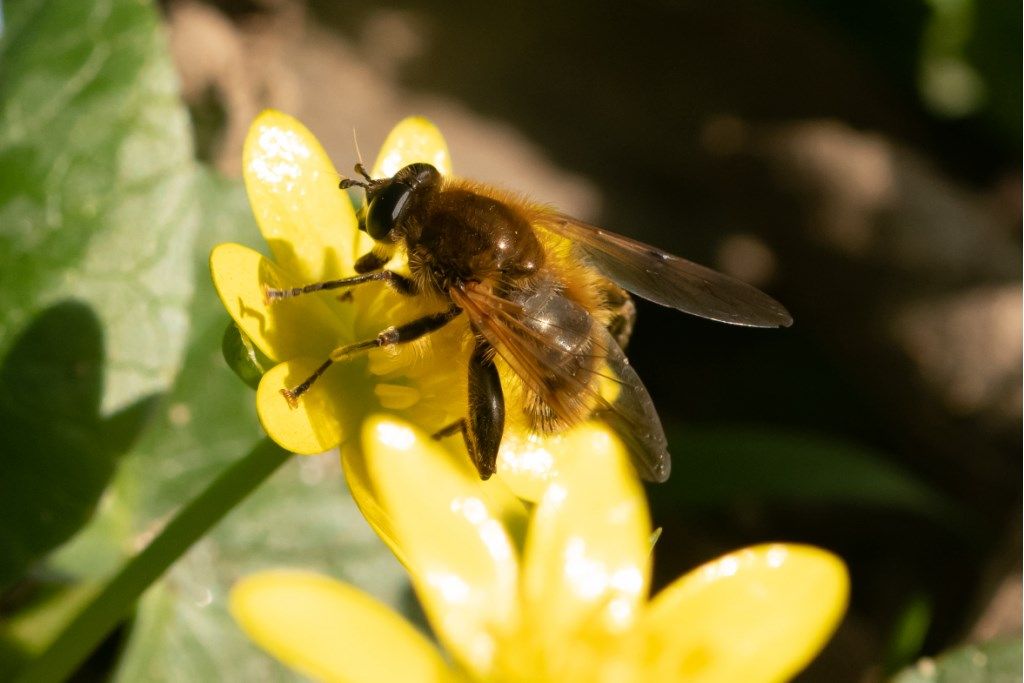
483	428
371	261
388	337
399	283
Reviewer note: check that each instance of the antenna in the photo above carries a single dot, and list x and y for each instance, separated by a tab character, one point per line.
355	141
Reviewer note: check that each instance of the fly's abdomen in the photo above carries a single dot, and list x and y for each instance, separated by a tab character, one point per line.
565	386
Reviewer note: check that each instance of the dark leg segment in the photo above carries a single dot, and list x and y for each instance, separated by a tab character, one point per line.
483	428
400	334
393	335
369	262
292	394
400	284
454	428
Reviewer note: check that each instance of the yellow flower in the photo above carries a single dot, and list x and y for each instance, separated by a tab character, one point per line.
311	229
564	600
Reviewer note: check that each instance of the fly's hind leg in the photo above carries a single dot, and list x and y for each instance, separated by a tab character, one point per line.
388	337
483	428
622	311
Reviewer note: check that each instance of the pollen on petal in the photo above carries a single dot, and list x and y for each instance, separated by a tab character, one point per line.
278	155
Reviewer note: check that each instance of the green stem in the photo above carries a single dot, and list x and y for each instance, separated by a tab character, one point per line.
114	602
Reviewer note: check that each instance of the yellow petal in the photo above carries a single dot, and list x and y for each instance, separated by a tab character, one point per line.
586	560
330	631
414	139
293	189
360	485
319	418
758	614
301	326
451	529
529	462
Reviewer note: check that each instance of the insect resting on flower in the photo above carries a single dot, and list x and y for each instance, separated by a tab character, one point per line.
543	292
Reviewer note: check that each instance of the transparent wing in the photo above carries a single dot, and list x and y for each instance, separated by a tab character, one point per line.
610	392
632	416
669	280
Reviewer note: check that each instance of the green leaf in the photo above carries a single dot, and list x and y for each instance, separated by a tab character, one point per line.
99	617
95	182
997	661
110	336
908	632
712	466
97	224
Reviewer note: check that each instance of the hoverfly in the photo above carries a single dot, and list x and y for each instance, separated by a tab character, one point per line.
544	292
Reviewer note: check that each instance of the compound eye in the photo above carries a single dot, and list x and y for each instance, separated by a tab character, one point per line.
419	174
386	209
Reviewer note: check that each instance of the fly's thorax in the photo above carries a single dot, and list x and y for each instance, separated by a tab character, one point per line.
460	236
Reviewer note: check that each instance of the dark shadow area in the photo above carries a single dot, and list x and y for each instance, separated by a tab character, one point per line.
208	122
58	453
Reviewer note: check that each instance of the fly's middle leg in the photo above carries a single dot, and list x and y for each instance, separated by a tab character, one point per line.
390	336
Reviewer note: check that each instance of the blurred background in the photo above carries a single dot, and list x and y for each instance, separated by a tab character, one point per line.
859	161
